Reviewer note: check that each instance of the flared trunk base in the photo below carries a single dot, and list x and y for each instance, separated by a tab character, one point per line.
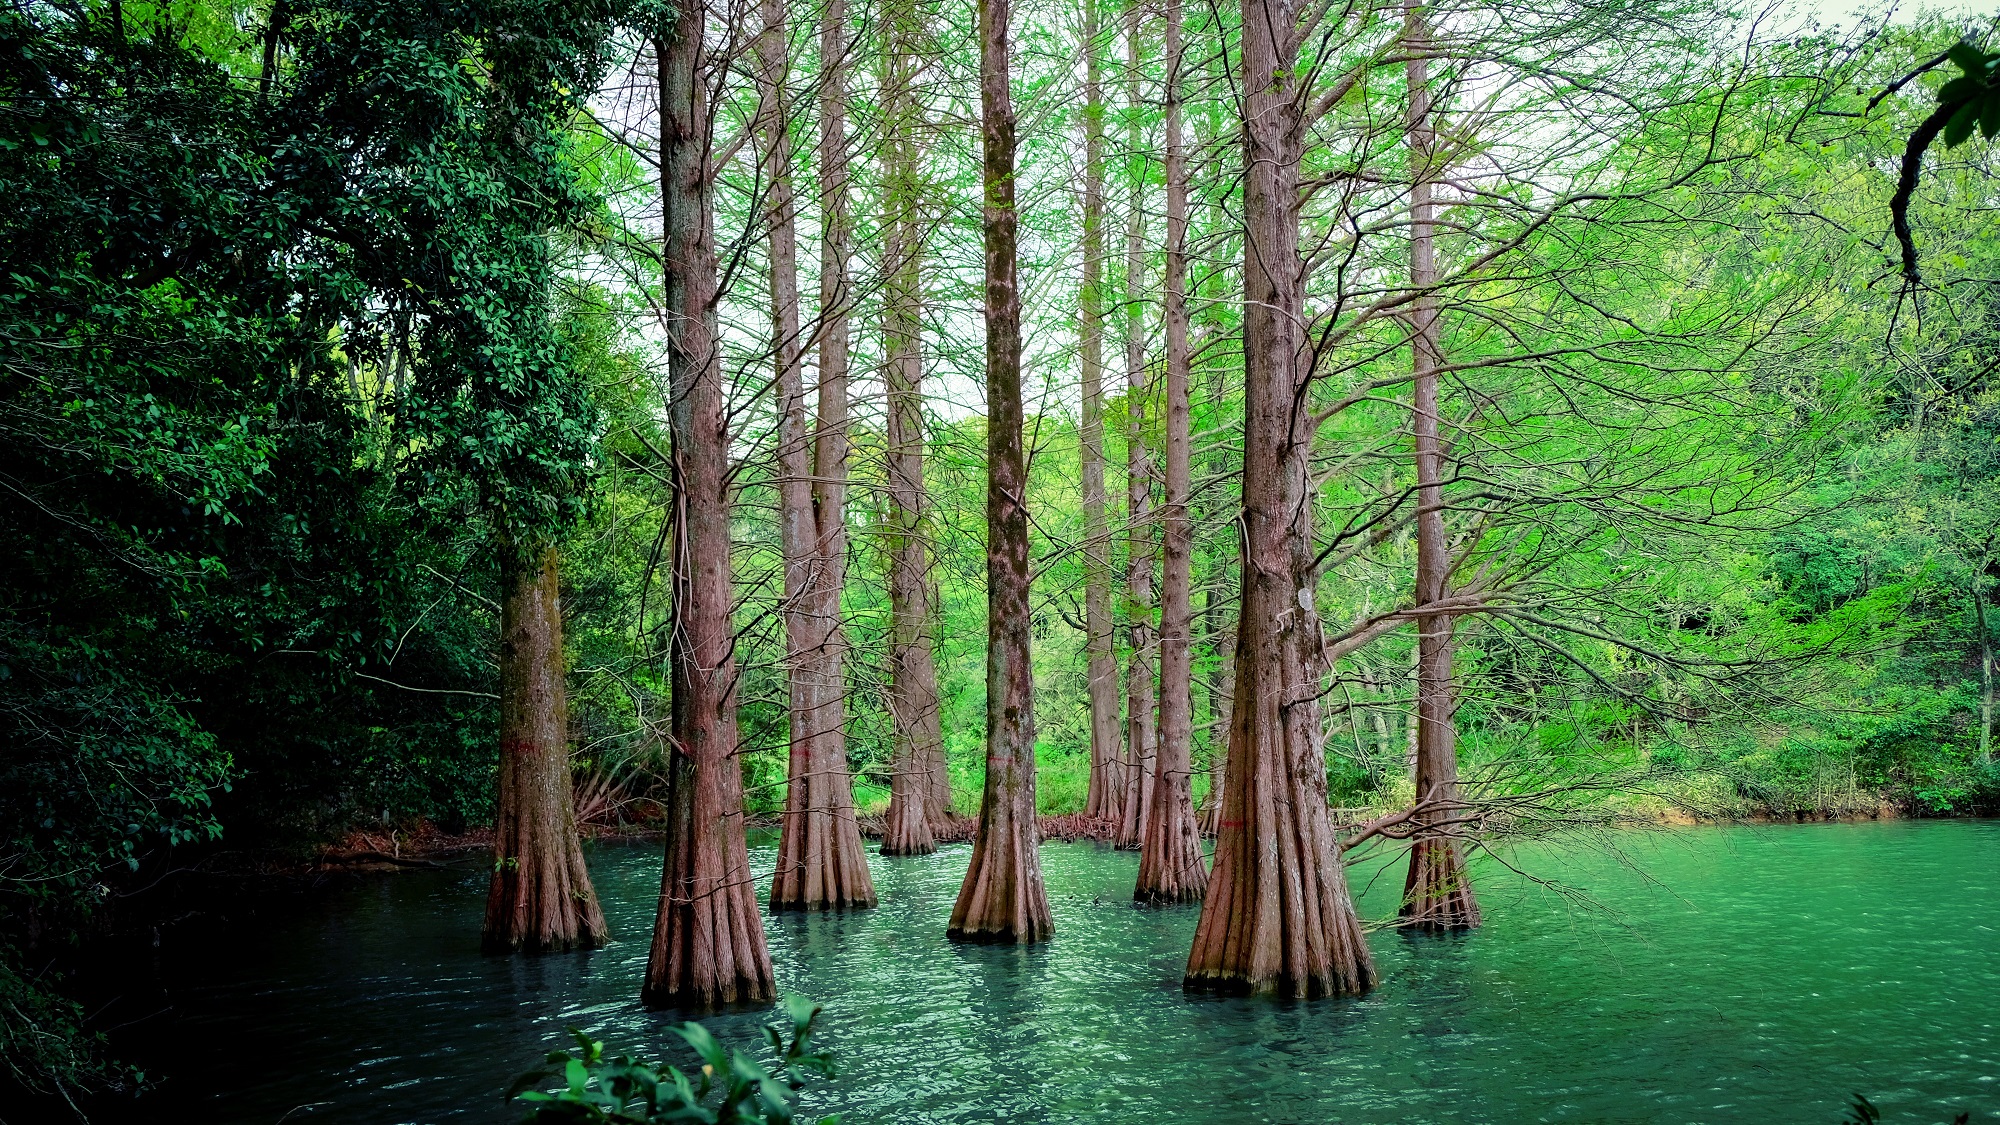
545	911
908	834
1438	896
1282	986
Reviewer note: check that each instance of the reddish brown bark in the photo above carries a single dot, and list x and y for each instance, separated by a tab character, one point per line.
1002	899
1106	794
1141	705
1220	637
1218	762
1170	859
540	897
1277	917
1986	670
1437	894
919	788
708	937
821	864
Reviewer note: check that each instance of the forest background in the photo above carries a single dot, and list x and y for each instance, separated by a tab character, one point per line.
1725	484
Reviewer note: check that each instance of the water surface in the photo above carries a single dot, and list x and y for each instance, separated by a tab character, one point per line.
1719	975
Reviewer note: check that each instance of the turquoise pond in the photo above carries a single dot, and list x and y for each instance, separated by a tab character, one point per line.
1755	974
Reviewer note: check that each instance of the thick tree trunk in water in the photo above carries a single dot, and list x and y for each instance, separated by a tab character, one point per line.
1141	707
1437	894
1170	856
821	864
1277	917
1002	899
708	938
919	789
540	898
1106	795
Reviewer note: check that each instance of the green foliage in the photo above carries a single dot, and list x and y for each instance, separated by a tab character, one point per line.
283	367
1976	91
620	1090
44	1046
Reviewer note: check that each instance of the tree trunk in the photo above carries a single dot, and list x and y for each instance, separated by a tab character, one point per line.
1277	917
540	898
1218	762
821	864
1141	714
1221	639
1106	796
1985	675
1002	899
1170	856
708	938
1385	743
1437	894
919	789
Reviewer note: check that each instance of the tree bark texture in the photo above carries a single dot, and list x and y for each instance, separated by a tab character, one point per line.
1218	764
821	862
1141	705
919	787
1436	894
1170	859
1106	794
708	937
1002	899
1220	638
540	898
1277	917
1986	669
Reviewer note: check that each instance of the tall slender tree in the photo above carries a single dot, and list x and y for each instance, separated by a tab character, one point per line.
1105	796
1141	704
1170	857
1220	636
1437	894
821	863
708	937
1277	917
1987	665
919	788
1002	899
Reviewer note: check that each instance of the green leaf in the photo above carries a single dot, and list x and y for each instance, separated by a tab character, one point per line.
529	1080
1960	89
1961	124
1989	115
704	1044
1969	58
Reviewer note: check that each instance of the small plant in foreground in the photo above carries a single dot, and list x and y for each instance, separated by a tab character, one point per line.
1863	1112
619	1091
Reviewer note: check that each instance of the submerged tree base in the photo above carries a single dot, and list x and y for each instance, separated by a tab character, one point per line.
1284	987
1438	895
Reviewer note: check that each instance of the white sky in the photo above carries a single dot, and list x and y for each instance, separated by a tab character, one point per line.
1847	13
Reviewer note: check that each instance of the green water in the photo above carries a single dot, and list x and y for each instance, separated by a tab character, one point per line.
1723	975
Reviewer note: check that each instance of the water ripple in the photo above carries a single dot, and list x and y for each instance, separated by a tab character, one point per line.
1722	975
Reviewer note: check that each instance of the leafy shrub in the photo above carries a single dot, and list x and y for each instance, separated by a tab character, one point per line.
620	1091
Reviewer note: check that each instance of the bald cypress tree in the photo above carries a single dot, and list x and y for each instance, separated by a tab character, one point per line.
1277	917
1002	898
